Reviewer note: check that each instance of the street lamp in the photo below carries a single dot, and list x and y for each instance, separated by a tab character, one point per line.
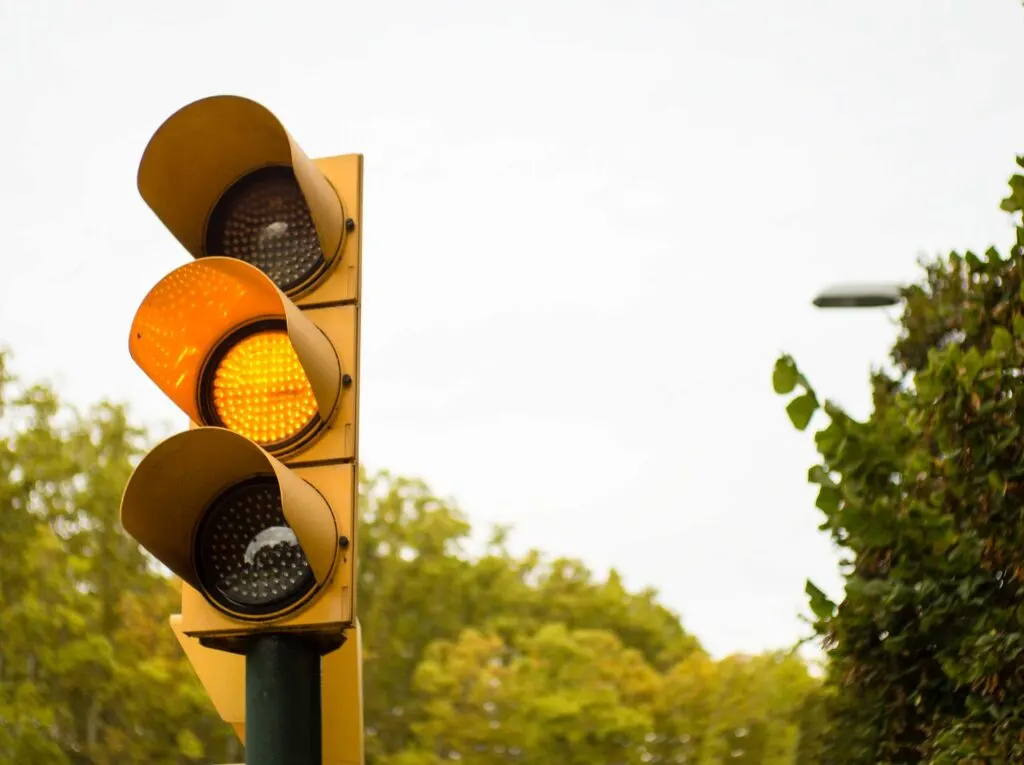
859	295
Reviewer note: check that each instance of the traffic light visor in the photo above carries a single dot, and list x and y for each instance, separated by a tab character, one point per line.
226	178
230	349
197	489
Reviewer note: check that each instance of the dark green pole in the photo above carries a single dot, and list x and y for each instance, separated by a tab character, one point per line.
282	701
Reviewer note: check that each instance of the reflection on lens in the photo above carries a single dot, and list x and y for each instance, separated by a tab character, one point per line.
264	220
248	557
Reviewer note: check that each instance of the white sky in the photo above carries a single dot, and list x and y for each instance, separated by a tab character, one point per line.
590	229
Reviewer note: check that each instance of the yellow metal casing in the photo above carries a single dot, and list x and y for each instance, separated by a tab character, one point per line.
196	156
223	677
177	329
188	317
174	485
341	701
199	152
330	610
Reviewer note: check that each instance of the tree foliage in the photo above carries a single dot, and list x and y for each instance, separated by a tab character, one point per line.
87	661
487	657
925	498
497	659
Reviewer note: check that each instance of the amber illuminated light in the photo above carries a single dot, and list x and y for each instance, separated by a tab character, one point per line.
260	390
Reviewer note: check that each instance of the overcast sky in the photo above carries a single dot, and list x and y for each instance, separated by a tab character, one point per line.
590	227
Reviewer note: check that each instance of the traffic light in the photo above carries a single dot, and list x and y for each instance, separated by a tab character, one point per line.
257	341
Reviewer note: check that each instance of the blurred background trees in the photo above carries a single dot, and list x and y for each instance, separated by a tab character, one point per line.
89	672
926	500
482	657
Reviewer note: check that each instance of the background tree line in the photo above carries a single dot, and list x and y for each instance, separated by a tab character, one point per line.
483	658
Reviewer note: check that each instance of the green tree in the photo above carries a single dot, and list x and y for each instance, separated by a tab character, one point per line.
558	696
89	670
489	656
581	696
926	648
419	585
742	709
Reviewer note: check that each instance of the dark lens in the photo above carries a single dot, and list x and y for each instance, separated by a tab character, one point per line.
264	220
248	557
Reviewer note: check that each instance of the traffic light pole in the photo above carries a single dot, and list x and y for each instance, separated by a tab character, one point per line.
282	701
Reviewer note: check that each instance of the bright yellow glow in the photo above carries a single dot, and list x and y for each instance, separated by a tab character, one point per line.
260	390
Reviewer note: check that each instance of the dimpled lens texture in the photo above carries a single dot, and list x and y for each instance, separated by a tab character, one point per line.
249	555
260	390
264	220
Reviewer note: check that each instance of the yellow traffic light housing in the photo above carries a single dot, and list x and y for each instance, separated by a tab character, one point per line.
229	349
226	178
256	540
257	341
